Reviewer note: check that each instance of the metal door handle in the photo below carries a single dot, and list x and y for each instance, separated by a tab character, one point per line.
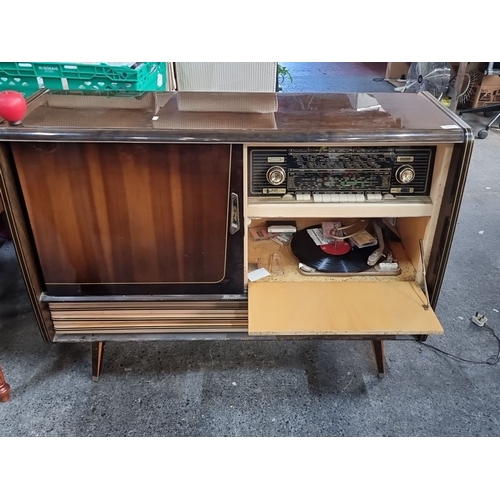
234	214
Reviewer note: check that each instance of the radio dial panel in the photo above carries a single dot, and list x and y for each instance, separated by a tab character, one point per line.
299	171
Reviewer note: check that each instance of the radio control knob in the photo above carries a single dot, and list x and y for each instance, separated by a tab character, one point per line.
276	175
405	174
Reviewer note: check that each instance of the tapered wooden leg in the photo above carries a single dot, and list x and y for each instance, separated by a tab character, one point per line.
97	355
378	351
4	388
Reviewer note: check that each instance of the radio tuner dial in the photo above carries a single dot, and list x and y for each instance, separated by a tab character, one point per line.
276	175
405	174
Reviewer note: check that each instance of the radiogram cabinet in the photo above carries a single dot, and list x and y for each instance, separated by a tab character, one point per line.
135	217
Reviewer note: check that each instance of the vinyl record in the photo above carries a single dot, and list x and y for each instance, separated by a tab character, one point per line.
310	254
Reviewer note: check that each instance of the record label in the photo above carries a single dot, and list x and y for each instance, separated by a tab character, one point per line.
336	248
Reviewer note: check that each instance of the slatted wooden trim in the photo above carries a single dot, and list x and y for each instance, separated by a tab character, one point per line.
142	317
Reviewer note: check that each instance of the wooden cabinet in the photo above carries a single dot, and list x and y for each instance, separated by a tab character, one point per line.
129	218
132	221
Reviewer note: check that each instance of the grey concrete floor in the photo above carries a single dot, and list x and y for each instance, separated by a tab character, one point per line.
335	77
267	388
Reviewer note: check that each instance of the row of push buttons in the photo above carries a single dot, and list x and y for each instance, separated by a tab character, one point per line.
338	198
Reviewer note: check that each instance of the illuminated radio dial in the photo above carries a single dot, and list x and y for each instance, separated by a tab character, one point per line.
405	174
276	175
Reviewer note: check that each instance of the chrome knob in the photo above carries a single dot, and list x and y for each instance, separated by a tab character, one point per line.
276	175
405	174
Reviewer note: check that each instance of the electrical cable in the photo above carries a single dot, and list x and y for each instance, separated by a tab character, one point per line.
492	360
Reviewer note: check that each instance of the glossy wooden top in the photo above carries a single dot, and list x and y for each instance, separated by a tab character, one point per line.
244	117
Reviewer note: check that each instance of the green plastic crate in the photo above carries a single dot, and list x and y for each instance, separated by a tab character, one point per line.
26	91
23	84
144	76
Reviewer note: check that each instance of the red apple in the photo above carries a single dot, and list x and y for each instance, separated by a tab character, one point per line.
12	106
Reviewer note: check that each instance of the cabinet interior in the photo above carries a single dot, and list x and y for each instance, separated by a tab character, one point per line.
406	252
291	302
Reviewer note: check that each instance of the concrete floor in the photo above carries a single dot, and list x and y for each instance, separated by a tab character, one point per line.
265	388
335	77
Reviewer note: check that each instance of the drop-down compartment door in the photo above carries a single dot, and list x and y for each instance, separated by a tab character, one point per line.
340	308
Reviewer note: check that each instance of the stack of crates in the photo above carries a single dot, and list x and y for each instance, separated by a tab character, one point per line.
30	77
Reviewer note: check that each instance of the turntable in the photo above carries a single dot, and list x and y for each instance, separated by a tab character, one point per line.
341	254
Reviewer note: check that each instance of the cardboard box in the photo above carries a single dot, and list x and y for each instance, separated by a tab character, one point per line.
488	92
258	78
226	76
396	70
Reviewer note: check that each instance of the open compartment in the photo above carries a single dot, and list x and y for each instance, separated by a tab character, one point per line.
400	237
295	301
376	300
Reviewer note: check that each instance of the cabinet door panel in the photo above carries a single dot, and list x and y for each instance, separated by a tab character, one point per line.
127	213
340	308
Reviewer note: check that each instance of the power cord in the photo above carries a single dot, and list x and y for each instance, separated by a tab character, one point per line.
479	320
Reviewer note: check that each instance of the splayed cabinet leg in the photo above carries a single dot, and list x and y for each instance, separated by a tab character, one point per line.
97	355
378	352
4	388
